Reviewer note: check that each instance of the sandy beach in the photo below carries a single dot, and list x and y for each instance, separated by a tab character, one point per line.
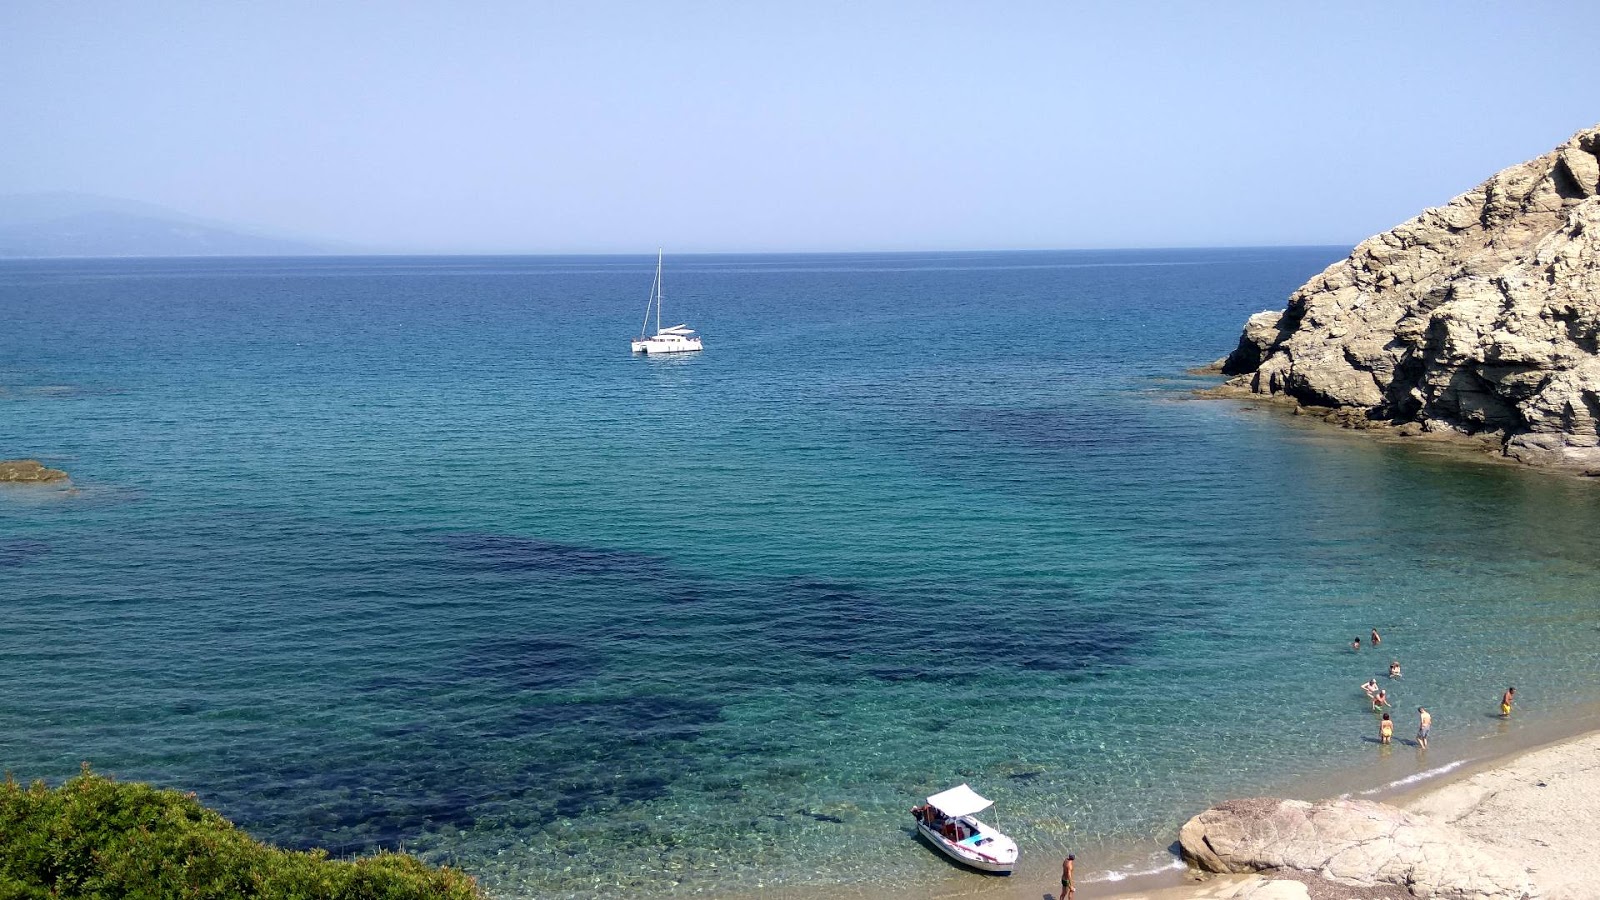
1538	805
1540	808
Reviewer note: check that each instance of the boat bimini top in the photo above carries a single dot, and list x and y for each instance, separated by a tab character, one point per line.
959	801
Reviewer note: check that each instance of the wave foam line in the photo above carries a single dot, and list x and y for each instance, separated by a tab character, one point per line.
1420	776
1121	876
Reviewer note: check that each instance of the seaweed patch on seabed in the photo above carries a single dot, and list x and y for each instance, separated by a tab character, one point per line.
512	553
18	552
50	391
402	785
855	632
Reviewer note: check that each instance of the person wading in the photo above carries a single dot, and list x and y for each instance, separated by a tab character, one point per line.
1424	725
1068	887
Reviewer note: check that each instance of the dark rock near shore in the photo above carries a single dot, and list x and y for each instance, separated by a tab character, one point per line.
29	471
1480	317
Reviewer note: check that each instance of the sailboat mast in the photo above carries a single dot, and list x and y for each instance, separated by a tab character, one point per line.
659	290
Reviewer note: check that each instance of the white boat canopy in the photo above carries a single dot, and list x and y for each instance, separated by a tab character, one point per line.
959	801
677	329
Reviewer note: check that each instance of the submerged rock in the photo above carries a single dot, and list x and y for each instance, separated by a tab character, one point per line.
1353	842
1481	316
28	471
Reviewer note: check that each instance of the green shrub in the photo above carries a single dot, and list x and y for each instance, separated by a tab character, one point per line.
96	839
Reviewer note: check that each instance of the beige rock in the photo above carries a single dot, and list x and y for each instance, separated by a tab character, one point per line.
1478	317
1353	842
28	471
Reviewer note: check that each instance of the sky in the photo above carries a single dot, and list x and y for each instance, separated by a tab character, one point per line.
594	126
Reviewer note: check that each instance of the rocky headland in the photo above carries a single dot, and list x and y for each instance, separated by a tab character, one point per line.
1477	319
29	471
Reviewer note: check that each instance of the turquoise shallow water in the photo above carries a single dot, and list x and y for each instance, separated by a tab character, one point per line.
382	552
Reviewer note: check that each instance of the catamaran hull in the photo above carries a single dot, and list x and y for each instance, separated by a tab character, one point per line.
659	347
963	856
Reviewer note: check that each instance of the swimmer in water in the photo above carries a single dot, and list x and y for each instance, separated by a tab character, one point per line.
1394	669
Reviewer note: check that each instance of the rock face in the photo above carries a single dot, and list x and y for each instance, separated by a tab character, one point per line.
1354	842
28	471
1479	316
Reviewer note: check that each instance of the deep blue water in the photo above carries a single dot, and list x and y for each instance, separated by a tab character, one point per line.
412	552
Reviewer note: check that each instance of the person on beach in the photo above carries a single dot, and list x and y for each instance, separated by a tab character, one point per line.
1068	886
1505	702
1356	644
1385	729
1424	725
1394	669
1375	639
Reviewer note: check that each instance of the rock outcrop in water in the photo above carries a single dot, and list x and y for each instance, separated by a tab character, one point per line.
1352	842
28	471
1479	317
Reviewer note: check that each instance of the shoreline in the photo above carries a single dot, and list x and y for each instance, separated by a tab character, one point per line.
1485	448
1456	788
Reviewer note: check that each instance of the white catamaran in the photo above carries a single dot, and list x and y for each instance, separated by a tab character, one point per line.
675	339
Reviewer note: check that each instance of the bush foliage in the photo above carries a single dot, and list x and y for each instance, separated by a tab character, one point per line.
98	839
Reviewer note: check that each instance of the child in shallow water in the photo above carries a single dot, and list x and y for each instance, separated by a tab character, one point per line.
1385	729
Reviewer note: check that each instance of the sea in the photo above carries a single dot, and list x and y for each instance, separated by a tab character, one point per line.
412	553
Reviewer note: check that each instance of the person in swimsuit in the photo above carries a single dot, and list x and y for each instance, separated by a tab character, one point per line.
1505	702
1068	887
1394	669
1355	644
1375	639
1380	700
1424	726
1385	729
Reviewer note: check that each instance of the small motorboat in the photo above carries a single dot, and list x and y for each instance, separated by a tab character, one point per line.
947	822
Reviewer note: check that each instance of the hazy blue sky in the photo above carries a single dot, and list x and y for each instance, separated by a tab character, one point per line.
595	126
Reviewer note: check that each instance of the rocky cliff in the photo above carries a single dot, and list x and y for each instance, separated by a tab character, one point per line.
1479	317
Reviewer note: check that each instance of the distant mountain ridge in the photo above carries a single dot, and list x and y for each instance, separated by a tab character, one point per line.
84	225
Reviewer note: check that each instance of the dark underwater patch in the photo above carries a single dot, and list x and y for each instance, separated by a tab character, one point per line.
18	552
838	631
529	663
407	780
512	553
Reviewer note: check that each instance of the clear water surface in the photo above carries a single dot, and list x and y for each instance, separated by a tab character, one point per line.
411	552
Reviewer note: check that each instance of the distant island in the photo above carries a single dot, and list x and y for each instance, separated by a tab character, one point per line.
1476	319
54	225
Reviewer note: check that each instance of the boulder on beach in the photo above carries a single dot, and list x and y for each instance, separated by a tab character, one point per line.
29	471
1479	317
1353	842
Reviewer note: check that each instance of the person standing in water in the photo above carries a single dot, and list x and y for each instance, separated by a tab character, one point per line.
1385	729
1424	725
1068	885
1355	644
1375	639
1505	702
